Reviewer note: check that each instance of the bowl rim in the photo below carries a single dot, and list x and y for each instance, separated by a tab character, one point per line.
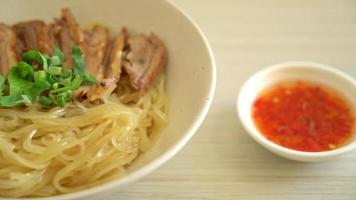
173	150
275	148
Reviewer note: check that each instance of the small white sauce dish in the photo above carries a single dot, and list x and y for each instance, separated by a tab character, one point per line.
295	71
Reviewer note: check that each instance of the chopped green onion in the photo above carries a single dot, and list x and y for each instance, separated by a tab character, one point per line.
60	90
52	96
64	97
51	78
66	73
55	61
44	79
66	81
40	76
55	86
11	101
25	69
55	70
40	79
61	101
44	63
89	78
2	84
34	55
26	100
67	95
17	85
78	61
45	101
77	81
58	53
42	84
31	56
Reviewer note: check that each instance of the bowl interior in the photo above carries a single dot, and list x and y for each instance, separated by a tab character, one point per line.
319	74
190	73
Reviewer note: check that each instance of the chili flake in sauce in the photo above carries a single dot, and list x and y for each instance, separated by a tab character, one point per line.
303	116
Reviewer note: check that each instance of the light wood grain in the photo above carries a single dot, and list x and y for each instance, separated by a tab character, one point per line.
221	161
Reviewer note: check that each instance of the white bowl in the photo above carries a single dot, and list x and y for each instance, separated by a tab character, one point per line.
317	73
190	73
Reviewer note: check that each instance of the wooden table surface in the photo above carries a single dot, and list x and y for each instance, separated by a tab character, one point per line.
222	161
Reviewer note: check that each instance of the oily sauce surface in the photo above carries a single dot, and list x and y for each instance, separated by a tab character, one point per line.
303	116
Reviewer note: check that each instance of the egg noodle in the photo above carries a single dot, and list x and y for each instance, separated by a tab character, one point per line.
63	150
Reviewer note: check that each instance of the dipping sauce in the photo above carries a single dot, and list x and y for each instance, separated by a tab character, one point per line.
303	116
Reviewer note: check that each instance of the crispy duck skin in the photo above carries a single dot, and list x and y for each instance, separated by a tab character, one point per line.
95	48
68	33
144	60
114	64
113	69
8	56
34	34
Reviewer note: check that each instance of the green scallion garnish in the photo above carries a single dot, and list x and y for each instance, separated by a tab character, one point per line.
39	77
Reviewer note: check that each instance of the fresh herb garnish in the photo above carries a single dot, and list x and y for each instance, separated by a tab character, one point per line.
40	78
78	61
2	84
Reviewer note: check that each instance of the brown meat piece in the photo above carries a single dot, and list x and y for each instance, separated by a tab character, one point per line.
144	60
103	89
52	37
95	47
68	32
97	92
112	73
114	64
8	56
33	34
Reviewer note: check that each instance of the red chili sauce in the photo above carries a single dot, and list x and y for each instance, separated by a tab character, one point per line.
303	116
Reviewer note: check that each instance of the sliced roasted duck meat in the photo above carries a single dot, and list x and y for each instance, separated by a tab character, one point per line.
68	33
8	56
142	57
112	72
143	61
95	47
114	64
103	90
52	37
33	34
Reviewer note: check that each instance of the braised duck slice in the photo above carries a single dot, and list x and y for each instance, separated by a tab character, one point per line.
33	34
95	47
113	69
68	33
53	42
103	90
8	56
144	60
114	64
